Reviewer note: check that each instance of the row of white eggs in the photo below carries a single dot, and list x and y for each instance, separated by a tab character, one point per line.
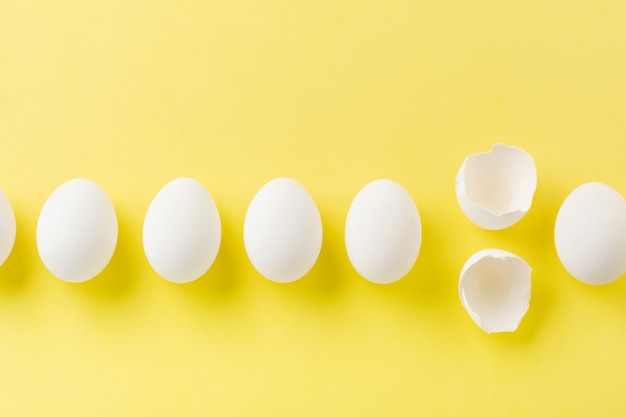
77	232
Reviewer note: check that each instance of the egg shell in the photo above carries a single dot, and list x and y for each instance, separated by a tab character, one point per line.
495	189
7	227
77	231
282	231
182	231
383	232
494	288
590	234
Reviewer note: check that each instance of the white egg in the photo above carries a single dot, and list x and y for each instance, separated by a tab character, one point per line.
282	231
495	189
182	231
590	234
7	227
494	288
77	231
383	232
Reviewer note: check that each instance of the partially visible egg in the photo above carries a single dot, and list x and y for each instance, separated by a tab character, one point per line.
383	232
7	227
590	234
182	231
282	231
77	231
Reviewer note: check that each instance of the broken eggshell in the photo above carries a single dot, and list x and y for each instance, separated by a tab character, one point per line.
494	288
495	189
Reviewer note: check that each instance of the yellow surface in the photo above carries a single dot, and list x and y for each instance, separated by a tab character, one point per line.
133	93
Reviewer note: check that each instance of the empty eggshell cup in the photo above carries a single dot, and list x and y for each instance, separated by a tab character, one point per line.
495	189
494	288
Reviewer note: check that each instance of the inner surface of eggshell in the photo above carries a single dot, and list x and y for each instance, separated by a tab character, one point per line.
495	290
502	180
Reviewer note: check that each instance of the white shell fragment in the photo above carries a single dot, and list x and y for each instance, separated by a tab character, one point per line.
494	288
77	231
7	227
282	231
495	189
383	232
590	234
182	231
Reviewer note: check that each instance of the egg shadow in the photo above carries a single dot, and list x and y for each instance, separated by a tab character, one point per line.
324	282
430	286
533	323
613	293
532	238
117	280
222	283
16	272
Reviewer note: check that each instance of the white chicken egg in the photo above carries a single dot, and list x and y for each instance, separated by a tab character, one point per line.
7	227
77	231
590	234
282	231
383	232
182	231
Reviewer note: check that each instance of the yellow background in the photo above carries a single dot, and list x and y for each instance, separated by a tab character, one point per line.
133	93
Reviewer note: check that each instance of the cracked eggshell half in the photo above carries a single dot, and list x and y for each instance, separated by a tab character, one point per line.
7	227
383	232
590	234
282	231
77	231
495	189
182	231
494	288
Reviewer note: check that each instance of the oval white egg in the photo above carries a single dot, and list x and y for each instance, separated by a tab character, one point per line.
77	231
590	234
182	231
383	232
282	231
7	227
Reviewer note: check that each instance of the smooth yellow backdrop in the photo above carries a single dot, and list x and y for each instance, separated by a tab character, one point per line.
133	93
